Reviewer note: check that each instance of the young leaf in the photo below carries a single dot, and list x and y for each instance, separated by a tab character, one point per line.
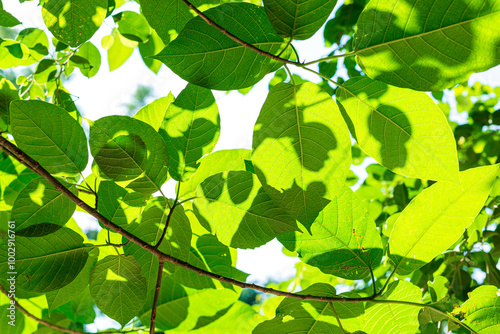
403	130
49	135
190	129
342	241
87	59
8	93
130	152
394	318
235	208
154	113
39	202
118	288
133	26
427	45
482	310
72	21
199	50
37	42
437	217
120	51
46	263
305	316
301	149
153	46
298	19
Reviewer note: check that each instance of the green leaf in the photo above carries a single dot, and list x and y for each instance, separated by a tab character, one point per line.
133	26
305	316
215	163
130	152
45	263
72	21
152	47
49	135
87	59
298	19
7	19
69	292
37	42
13	178
149	227
8	93
80	309
12	53
235	208
482	311
121	206
190	129
427	45
342	241
394	318
154	113
301	149
437	217
120	51
403	130
180	308
196	54
13	320
39	202
118	288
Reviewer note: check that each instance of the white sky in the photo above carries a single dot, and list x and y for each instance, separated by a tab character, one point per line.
107	93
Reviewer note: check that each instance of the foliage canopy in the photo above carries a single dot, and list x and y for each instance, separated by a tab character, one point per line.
409	243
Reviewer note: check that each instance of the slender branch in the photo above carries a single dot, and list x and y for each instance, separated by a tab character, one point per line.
155	299
338	319
237	39
22	157
169	216
43	322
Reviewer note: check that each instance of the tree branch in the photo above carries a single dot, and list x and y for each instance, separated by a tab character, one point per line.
43	322
22	157
237	39
155	300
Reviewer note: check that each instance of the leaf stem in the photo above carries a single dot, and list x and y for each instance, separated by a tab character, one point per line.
155	299
337	317
348	54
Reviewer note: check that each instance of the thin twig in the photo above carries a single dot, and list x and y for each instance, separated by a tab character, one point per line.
43	322
348	54
237	39
155	299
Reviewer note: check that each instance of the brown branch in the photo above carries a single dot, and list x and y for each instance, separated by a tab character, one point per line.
22	157
155	300
43	322
237	39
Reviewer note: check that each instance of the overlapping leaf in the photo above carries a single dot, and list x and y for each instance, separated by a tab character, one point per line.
343	241
394	318
154	113
39	202
72	21
46	263
130	152
302	149
298	19
49	135
305	316
482	310
197	53
427	44
403	130
118	288
437	217
190	129
235	207
13	178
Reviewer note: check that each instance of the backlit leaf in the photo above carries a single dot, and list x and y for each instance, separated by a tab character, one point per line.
427	44
154	113
437	217
403	130
50	136
301	149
